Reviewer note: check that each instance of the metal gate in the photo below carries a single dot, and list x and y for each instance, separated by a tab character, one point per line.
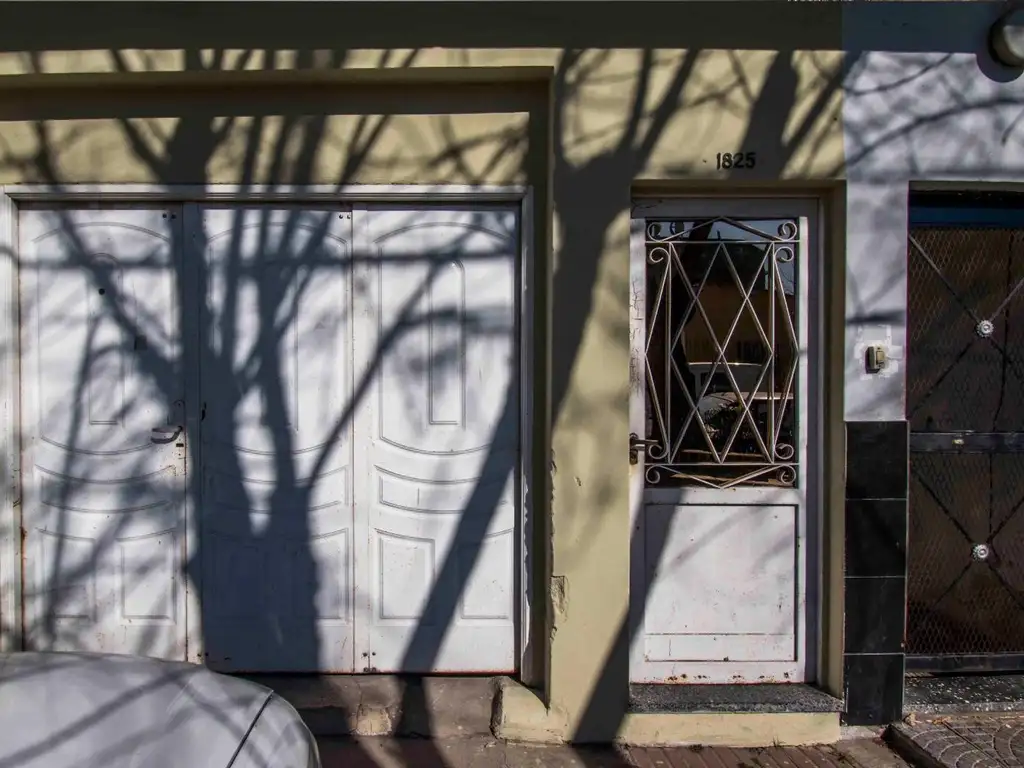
965	404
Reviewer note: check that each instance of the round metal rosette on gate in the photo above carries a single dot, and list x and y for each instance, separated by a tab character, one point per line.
1006	38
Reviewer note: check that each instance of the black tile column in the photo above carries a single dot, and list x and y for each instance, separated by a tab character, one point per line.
876	570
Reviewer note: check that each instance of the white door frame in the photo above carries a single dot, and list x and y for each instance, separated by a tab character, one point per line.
84	194
810	381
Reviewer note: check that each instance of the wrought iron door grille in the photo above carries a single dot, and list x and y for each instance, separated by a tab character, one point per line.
722	352
965	404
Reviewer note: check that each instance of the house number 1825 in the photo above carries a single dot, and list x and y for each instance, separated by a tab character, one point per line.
735	160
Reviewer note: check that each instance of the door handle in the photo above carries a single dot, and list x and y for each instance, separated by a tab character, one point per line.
164	435
636	444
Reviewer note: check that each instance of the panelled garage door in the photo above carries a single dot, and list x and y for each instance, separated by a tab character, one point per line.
272	438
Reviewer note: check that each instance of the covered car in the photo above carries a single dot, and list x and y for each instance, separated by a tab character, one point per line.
84	710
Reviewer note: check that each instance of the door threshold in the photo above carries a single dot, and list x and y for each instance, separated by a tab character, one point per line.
952	694
650	698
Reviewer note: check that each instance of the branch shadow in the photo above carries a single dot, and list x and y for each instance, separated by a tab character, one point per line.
276	476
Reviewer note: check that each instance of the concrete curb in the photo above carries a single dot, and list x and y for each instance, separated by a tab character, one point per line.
905	746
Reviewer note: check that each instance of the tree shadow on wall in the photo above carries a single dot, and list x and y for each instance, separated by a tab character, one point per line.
262	475
281	488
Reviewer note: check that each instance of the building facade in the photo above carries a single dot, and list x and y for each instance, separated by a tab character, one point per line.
570	343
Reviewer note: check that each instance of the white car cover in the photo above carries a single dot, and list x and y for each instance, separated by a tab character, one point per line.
82	710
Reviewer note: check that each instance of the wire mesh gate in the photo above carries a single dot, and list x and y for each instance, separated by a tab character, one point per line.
965	404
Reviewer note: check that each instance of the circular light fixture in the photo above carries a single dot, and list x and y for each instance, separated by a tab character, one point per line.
1006	38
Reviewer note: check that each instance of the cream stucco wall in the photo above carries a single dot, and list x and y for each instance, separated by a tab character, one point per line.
589	107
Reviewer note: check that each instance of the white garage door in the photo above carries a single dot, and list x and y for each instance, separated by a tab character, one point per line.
272	439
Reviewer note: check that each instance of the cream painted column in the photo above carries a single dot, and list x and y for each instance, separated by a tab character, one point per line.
589	593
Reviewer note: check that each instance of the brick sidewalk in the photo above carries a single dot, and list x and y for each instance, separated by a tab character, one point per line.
485	753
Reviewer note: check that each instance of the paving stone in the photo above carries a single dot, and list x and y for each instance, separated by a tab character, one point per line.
722	757
384	752
868	750
968	741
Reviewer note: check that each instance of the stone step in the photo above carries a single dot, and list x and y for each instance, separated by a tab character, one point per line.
389	705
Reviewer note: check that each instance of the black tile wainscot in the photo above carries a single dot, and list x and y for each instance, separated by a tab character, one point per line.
876	570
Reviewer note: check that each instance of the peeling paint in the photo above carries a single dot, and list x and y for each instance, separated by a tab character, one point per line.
635	368
559	597
635	302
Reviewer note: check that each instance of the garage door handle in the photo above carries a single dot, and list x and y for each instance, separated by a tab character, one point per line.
165	434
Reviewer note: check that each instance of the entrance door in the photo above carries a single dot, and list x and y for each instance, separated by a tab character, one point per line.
276	545
965	378
103	410
721	416
437	438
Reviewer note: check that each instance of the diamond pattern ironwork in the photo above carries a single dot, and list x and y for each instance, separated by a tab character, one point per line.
722	352
965	587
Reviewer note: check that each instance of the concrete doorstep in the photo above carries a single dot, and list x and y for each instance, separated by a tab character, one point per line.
389	705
